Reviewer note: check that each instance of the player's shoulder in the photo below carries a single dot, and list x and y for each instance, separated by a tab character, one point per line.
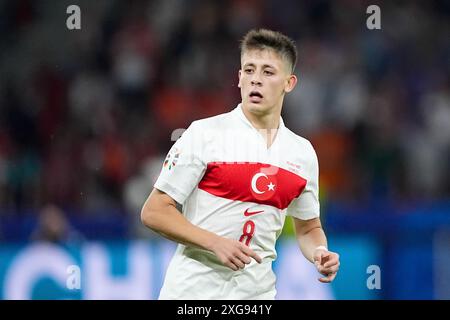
300	142
213	122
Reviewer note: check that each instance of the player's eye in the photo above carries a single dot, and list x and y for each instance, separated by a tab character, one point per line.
268	73
248	70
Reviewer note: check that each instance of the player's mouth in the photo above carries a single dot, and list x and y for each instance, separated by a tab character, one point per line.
255	97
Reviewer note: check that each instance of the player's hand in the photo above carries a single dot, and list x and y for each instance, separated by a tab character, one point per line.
233	254
327	263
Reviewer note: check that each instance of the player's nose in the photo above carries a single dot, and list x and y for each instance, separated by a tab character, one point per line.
256	79
256	82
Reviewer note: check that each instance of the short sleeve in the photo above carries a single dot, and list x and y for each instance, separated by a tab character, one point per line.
183	167
306	206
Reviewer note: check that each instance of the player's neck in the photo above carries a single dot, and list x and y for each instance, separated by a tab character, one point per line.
266	124
268	120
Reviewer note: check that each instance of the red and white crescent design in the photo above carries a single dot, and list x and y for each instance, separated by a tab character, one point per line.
263	186
255	179
247	182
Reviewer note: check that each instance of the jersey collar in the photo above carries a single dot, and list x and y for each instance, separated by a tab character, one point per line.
238	111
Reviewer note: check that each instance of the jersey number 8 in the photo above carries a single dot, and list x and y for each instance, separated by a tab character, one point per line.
247	232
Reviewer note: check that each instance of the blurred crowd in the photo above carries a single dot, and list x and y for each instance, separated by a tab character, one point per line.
86	115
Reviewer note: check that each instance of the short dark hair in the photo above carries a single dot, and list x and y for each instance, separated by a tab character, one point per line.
261	39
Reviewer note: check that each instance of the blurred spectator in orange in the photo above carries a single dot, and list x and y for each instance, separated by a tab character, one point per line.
334	150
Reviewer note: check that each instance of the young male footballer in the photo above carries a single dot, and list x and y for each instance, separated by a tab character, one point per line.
237	176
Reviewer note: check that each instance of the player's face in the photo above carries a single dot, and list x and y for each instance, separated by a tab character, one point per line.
264	78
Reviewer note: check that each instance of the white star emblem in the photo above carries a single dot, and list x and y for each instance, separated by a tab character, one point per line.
271	186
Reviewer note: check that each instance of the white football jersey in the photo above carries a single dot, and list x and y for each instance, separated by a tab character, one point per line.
231	184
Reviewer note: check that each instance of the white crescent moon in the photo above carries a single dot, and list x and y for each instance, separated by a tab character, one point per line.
254	179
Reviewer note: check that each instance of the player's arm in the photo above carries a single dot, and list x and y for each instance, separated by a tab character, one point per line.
160	214
313	244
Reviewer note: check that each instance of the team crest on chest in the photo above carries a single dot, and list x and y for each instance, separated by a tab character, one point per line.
263	186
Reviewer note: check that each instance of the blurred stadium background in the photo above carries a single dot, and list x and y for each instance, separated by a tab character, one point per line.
86	118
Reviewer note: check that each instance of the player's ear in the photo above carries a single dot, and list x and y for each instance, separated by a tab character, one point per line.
290	83
239	76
